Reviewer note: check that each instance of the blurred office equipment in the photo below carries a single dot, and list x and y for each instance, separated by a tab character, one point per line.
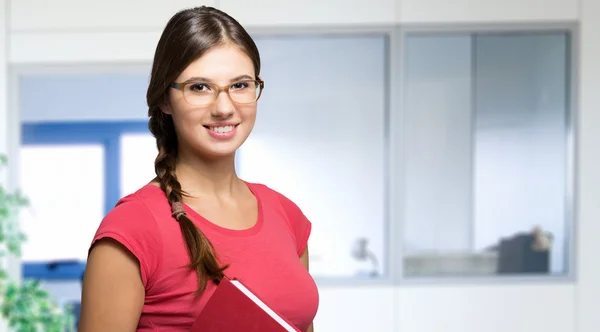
525	253
362	253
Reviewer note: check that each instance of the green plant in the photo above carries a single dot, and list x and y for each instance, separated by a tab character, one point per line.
24	305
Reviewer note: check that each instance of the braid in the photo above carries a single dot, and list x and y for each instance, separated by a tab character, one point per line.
201	252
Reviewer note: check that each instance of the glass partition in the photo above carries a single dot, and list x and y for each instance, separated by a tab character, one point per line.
486	154
320	139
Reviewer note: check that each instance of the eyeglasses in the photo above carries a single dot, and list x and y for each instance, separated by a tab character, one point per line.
203	94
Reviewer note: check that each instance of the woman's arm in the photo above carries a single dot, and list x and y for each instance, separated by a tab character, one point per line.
304	260
113	292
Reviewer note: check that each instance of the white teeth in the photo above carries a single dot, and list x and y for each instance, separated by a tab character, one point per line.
225	129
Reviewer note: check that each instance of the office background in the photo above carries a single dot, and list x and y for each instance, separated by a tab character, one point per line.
426	140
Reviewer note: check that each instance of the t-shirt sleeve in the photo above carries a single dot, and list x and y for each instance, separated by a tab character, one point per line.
132	224
301	226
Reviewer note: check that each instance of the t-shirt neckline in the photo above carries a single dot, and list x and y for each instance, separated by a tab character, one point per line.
204	223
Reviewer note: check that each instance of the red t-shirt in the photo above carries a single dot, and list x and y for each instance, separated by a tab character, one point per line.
264	257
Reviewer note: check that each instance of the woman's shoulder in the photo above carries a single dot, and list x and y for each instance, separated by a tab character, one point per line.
276	198
136	214
132	223
272	195
299	224
139	204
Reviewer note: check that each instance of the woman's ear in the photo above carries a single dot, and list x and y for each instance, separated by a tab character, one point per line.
165	108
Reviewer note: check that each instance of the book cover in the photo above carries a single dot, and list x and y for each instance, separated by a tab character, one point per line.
233	307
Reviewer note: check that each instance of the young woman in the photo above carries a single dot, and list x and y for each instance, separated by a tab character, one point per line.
156	256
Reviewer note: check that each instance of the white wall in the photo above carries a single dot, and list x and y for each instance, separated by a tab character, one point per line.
3	104
587	295
43	34
85	30
8	143
3	85
485	11
8	123
311	12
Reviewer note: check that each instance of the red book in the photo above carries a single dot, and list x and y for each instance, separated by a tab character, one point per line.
233	307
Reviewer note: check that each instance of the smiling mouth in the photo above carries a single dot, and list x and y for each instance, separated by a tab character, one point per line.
221	129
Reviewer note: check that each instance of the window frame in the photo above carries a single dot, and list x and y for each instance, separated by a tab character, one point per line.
35	133
572	32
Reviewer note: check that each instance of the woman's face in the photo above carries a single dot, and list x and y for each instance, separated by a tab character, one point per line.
216	129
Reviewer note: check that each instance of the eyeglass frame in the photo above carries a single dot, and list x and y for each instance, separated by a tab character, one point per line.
219	88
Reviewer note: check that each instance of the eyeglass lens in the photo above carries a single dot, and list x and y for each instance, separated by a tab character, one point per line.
199	94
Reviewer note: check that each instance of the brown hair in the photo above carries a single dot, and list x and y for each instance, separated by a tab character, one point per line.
186	37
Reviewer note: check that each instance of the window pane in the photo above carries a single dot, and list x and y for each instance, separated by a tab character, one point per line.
319	139
138	152
520	144
485	137
67	200
438	145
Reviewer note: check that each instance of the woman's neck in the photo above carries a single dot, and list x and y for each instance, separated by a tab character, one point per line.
199	177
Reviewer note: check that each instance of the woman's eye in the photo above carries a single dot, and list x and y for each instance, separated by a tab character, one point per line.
199	87
239	86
